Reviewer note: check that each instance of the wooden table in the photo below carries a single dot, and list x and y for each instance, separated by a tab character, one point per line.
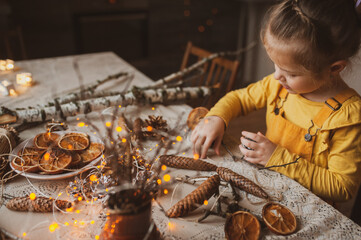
55	76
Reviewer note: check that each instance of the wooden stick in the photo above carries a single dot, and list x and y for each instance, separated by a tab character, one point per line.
136	96
164	81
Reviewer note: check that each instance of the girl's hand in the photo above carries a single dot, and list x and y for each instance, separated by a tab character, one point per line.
208	131
260	148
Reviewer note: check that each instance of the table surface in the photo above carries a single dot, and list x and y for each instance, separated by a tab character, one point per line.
56	76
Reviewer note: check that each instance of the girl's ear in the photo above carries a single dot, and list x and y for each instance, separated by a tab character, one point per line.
338	66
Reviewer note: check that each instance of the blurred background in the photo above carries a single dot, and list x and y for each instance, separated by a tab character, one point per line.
149	34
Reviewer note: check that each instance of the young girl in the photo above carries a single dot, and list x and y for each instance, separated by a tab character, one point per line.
313	118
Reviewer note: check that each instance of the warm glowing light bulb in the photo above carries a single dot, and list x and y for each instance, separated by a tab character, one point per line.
149	128
124	140
96	237
12	92
24	234
159	182
179	138
81	124
118	129
165	191
205	202
164	167
93	178
32	196
69	209
166	177
196	156
46	156
108	124
53	227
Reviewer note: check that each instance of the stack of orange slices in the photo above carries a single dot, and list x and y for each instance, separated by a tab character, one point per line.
54	153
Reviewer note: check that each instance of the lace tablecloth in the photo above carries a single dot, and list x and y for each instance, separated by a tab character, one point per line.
316	219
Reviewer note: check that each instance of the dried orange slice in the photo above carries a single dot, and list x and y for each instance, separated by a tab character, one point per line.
46	140
75	159
92	152
74	141
242	225
54	161
279	219
195	116
24	165
31	154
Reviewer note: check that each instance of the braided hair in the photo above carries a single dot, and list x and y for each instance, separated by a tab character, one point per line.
330	30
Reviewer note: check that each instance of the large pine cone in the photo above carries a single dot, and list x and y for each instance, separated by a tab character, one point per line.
241	182
196	198
186	163
40	204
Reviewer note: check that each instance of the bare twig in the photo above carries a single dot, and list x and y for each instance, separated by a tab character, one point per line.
282	165
166	80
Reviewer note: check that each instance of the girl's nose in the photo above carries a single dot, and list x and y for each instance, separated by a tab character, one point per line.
278	75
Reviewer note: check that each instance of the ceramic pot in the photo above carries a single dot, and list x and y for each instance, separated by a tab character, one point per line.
132	221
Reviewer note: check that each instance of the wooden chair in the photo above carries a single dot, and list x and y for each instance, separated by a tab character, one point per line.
220	71
14	47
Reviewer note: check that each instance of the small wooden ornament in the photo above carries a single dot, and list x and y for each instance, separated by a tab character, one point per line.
195	116
39	204
196	198
241	182
186	163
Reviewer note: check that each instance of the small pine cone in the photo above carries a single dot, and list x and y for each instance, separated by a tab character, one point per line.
196	198
40	204
157	122
186	163
241	182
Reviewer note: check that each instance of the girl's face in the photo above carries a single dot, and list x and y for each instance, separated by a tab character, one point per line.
291	75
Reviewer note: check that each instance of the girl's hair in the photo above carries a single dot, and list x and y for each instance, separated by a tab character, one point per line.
329	29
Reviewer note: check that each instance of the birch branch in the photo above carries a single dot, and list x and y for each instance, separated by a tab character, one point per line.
164	81
89	92
136	96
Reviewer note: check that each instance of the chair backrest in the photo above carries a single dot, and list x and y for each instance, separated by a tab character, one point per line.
14	47
220	71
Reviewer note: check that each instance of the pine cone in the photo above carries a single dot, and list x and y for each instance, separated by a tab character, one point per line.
196	198
8	139
186	163
40	204
157	122
241	182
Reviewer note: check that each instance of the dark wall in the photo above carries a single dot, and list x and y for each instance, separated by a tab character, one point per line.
150	34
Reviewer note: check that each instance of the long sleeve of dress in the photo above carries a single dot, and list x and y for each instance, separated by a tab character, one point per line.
339	180
245	100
